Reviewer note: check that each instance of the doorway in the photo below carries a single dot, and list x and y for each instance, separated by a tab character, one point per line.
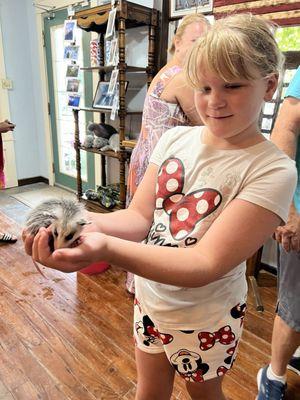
61	115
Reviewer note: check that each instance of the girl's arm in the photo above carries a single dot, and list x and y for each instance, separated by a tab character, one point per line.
234	236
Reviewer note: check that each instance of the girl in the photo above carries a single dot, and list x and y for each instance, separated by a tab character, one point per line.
210	198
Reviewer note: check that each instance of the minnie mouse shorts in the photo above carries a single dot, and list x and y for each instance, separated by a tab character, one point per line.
196	355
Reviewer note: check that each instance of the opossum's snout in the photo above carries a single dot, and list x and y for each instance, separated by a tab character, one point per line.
66	237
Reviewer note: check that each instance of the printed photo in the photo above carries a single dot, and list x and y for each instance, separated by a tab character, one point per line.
102	99
70	30
71	52
113	81
72	85
73	100
111	24
113	52
72	71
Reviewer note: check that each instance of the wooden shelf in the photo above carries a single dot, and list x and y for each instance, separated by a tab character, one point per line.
109	68
129	143
109	153
128	15
103	110
92	205
95	19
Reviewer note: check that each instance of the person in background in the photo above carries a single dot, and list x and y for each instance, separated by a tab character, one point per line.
5	126
205	204
286	330
169	102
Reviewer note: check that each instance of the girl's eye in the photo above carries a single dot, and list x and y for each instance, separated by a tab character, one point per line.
233	86
55	232
204	90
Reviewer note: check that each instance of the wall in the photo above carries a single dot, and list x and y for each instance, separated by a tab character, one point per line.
20	57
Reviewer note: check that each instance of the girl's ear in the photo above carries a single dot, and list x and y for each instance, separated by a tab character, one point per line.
176	41
272	83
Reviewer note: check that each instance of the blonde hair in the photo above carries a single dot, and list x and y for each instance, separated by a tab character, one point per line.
187	20
237	46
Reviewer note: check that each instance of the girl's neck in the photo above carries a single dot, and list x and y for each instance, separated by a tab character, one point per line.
240	141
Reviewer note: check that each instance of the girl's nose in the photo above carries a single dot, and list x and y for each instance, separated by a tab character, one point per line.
216	100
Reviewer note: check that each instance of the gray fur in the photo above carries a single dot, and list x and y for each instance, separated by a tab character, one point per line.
65	216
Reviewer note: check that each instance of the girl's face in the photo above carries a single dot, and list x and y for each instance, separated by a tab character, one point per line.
230	110
184	43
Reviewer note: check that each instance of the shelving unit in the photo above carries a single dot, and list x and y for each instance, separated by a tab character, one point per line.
128	15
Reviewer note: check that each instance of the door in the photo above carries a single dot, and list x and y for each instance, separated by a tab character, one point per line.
61	115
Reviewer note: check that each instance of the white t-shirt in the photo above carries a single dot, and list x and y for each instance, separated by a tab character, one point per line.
195	182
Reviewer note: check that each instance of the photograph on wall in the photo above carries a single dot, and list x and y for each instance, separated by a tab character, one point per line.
71	53
179	8
102	99
73	85
70	30
72	71
73	100
111	24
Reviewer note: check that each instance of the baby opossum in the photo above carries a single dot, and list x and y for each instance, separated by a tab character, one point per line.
66	218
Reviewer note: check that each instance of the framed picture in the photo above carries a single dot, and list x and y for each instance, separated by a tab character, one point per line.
70	29
71	52
72	71
179	8
113	51
111	23
102	99
73	85
113	81
73	100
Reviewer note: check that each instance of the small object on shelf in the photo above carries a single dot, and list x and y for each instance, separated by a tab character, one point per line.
100	142
113	143
90	194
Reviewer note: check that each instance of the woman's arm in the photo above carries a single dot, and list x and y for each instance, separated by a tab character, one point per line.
178	91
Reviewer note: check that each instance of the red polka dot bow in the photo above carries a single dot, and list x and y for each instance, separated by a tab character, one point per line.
185	210
224	335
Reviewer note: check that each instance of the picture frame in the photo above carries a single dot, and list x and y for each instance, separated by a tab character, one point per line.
70	30
102	99
111	23
113	81
72	71
71	52
179	8
113	51
73	85
73	100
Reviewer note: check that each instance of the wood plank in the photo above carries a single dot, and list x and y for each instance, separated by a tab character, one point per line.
69	336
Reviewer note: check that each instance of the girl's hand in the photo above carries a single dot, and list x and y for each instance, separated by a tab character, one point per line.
92	248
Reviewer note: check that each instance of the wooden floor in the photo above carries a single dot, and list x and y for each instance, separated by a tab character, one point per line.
70	337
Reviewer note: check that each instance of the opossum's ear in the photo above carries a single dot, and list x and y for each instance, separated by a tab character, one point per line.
47	214
83	222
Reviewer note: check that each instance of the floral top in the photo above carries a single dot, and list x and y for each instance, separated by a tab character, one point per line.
158	117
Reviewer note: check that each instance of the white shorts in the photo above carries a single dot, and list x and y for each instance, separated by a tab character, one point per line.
197	356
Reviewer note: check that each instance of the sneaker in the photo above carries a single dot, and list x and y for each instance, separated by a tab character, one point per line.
269	389
294	365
